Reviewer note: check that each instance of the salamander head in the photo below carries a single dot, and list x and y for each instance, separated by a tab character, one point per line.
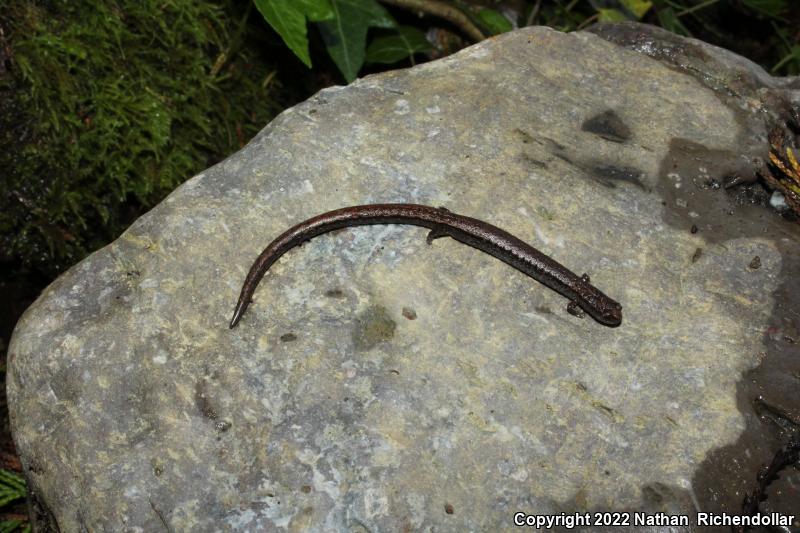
602	308
609	314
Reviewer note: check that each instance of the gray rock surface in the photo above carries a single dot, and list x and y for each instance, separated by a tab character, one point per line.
381	384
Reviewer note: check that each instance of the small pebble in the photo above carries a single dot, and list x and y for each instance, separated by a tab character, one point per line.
777	201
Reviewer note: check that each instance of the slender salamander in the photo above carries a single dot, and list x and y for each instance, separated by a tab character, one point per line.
442	223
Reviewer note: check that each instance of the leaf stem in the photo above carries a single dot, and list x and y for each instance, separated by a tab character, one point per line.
441	10
698	7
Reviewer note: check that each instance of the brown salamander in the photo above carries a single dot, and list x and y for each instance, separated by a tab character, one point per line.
442	223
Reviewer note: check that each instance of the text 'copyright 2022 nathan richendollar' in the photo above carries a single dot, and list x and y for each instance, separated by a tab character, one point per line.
633	519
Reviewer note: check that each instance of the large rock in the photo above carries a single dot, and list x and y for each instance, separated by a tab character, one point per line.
381	384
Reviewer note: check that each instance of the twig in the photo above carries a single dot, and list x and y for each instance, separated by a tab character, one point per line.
533	13
14	516
441	10
587	21
233	44
786	456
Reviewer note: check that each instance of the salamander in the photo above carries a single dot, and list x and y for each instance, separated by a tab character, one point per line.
494	241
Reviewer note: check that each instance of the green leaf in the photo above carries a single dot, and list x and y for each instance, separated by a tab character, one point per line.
393	48
669	20
494	21
317	10
7	526
792	57
12	487
770	8
637	7
12	482
345	36
610	15
288	18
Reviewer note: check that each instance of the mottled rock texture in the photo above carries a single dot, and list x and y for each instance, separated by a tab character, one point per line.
381	384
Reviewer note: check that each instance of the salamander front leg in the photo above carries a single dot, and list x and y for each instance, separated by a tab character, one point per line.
575	310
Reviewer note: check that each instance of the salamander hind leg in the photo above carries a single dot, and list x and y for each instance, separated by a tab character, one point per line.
439	231
436	233
575	310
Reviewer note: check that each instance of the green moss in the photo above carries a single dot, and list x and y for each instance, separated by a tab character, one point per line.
107	106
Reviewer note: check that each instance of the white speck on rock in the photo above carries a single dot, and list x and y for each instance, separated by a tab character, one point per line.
402	107
149	283
477	52
375	502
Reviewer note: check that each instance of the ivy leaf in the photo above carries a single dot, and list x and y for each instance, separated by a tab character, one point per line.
637	7
345	36
494	21
288	18
316	10
392	48
610	15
